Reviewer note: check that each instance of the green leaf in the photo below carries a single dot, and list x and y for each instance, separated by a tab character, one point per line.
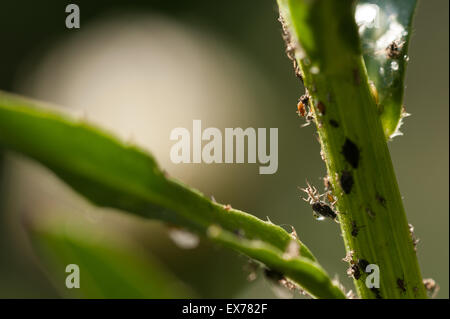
109	266
385	30
114	174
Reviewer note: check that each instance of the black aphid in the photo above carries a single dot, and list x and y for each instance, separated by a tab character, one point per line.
273	275
346	181
401	285
323	209
334	123
320	208
354	271
381	200
355	229
377	293
351	153
363	264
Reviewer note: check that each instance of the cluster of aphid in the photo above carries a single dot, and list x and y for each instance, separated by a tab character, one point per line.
290	47
325	209
321	209
357	266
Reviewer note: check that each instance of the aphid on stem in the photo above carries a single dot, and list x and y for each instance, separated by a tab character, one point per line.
377	293
354	271
321	209
303	105
304	110
393	50
351	153
380	199
355	229
401	285
334	123
346	181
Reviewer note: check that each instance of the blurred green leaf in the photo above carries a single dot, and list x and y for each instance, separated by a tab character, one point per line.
385	30
110	266
113	174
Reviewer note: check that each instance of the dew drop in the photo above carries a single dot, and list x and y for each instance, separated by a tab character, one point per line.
381	71
394	65
318	217
183	238
406	58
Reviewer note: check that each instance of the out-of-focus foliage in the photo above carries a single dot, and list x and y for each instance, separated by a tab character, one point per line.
110	266
112	174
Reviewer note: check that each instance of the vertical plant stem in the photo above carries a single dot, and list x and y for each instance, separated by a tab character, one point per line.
371	214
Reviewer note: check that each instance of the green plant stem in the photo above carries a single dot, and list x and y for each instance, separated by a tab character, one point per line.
300	270
327	50
114	174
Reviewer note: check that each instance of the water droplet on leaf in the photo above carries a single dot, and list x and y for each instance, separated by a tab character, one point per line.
394	65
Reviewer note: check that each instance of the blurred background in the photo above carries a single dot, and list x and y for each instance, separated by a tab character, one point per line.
143	68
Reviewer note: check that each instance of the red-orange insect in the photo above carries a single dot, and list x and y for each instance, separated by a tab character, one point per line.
302	105
330	198
301	109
